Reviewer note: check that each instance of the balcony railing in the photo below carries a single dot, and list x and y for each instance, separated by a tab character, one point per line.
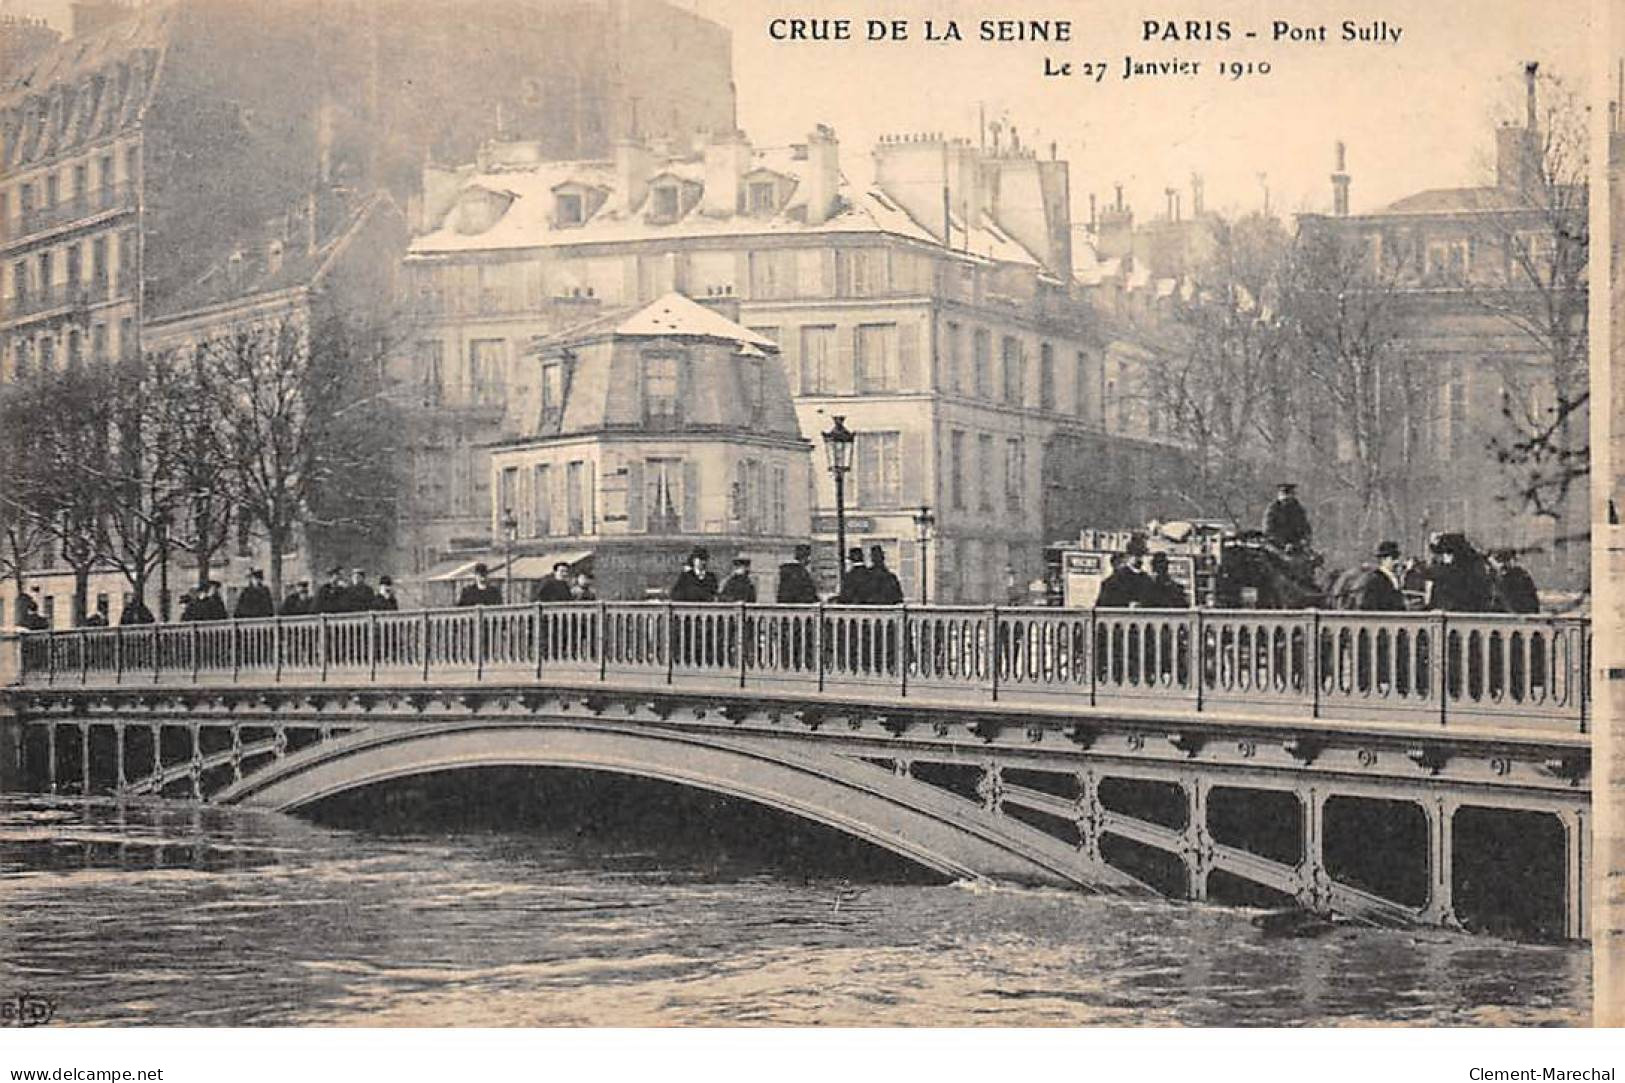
82	295
118	197
1464	672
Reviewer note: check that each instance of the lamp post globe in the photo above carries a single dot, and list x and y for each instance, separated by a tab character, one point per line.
924	527
838	441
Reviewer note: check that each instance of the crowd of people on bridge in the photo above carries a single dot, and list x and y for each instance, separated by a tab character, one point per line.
1455	578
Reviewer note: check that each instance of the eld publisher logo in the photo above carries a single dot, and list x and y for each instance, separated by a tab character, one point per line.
26	1010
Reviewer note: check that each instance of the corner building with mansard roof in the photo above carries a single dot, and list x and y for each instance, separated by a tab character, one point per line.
645	433
934	309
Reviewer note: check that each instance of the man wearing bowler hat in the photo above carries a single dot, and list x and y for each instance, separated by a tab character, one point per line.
1379	589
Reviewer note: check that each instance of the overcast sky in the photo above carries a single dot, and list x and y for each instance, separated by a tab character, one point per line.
1417	114
1414	115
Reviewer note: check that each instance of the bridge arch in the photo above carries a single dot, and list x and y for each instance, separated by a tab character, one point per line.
916	821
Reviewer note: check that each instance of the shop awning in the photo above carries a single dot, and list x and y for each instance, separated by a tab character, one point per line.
533	566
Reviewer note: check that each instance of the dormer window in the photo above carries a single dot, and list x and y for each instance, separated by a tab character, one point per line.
762	197
567	209
273	258
234	268
552	394
664	202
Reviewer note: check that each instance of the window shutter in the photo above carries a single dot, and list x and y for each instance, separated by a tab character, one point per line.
914	475
845	347
908	356
691	496
558	499
634	497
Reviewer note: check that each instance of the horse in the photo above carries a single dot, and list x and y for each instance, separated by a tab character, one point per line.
1277	579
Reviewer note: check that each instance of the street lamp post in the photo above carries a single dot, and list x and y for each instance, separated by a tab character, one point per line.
924	523
838	442
510	532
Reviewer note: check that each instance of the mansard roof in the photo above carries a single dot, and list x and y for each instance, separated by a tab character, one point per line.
83	89
251	274
528	222
604	362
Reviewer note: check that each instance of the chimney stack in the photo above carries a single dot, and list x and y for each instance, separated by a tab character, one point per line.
1196	195
632	165
1173	204
1529	70
823	178
1092	219
1340	184
727	158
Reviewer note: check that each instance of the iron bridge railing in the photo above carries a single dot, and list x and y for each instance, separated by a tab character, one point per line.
1457	670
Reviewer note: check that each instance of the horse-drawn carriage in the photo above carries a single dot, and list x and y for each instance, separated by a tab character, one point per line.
1221	567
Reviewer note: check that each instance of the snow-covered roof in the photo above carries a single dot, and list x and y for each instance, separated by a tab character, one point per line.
675	316
670	316
528	222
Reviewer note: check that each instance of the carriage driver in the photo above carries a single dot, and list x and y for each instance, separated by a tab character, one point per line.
1286	524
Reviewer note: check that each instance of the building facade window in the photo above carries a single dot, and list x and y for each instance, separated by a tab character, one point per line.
866	271
1080	391
1046	376
982	364
1448	261
773	274
664	202
984	472
487	365
879	469
507	495
875	354
1015	473
431	365
552	394
662	400
1015	370
663	499
1453	417
818	360
541	500
956	469
748	497
753	375
951	378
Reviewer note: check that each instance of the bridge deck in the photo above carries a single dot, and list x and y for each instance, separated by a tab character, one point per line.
1476	674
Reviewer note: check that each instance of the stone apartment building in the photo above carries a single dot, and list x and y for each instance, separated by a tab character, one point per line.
646	433
140	151
934	310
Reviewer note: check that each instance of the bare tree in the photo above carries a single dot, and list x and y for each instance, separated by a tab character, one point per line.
1358	386
303	411
1538	221
65	491
1216	363
22	533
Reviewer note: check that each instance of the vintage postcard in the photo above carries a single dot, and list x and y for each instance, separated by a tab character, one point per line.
943	513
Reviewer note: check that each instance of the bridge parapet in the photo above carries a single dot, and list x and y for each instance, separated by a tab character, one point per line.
1478	672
